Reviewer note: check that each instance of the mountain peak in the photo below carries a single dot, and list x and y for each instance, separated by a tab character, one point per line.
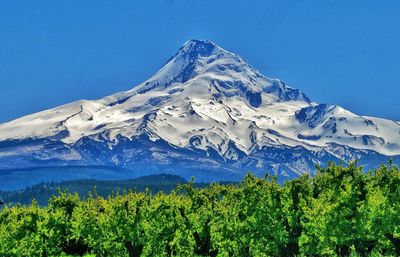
183	65
194	49
217	69
198	46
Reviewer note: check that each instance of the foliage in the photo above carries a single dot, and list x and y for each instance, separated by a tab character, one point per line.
341	211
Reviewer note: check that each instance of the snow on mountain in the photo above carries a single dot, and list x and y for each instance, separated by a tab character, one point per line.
205	110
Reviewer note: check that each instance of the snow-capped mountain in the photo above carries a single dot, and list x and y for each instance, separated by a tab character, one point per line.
205	113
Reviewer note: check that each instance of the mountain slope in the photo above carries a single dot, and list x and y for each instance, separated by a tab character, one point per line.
206	113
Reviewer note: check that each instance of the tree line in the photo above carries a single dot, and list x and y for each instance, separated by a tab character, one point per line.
42	192
341	211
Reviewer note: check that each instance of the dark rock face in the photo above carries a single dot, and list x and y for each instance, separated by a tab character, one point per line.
254	98
313	137
372	140
195	141
154	101
284	92
120	101
312	114
197	48
191	51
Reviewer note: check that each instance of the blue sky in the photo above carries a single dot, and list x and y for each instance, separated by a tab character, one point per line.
337	52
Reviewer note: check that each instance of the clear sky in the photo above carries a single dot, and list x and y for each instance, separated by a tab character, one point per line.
338	52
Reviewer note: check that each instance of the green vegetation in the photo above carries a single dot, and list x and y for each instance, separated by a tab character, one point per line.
342	211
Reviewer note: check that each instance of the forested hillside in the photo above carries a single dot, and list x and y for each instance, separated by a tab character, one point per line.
342	211
44	191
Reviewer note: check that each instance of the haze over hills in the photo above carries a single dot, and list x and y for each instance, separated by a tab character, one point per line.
205	113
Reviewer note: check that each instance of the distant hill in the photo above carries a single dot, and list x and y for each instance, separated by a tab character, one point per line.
43	191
